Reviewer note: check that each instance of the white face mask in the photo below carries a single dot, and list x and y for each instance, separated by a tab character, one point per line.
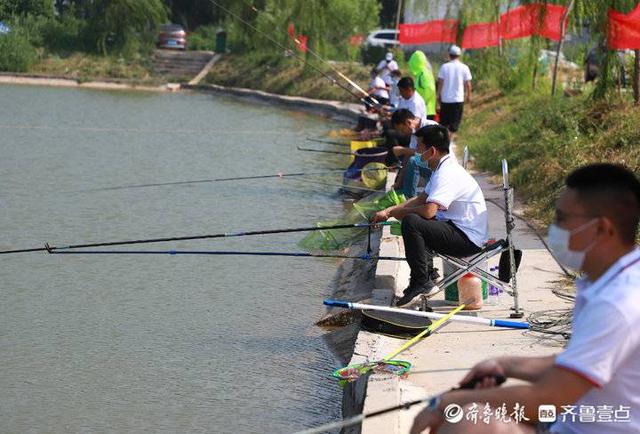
559	242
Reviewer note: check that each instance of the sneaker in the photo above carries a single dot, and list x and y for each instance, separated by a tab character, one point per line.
412	293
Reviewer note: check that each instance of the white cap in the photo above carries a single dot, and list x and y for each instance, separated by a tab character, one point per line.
454	50
389	57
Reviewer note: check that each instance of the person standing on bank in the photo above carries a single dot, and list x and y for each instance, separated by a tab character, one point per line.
377	89
597	374
450	217
454	89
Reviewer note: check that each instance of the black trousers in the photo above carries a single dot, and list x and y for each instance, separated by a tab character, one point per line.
422	237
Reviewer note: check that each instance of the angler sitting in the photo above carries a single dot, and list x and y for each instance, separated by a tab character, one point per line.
413	168
450	217
591	386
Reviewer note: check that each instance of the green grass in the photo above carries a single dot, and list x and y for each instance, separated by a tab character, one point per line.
545	138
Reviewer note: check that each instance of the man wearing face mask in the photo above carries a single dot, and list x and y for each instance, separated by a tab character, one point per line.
450	217
594	233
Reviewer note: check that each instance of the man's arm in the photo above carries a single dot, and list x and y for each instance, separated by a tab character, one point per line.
556	386
528	369
467	91
382	216
426	210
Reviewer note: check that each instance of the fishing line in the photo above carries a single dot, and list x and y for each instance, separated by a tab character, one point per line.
324	151
366	257
193	237
288	50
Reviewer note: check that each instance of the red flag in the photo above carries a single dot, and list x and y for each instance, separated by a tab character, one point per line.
624	30
551	25
356	40
519	22
302	43
292	31
481	35
429	32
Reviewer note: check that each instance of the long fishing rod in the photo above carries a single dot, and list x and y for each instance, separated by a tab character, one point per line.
324	151
330	184
359	418
321	59
366	257
432	315
236	178
194	237
297	56
329	142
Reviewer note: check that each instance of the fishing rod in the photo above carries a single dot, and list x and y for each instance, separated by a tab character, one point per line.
194	237
432	315
340	186
236	178
297	56
300	148
328	142
321	59
366	257
353	420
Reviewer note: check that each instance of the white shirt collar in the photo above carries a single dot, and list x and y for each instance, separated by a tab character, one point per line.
584	284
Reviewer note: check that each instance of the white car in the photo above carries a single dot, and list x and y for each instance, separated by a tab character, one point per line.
386	38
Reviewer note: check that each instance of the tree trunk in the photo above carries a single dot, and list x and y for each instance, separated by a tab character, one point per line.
563	31
636	78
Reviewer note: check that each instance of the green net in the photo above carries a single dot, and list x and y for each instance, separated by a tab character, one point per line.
363	210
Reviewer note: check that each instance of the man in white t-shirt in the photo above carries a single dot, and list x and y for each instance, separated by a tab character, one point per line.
378	89
450	217
453	89
411	100
386	66
592	386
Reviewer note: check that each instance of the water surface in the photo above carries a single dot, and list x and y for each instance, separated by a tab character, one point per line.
167	344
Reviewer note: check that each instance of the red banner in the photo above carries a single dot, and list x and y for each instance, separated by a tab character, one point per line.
551	23
481	35
292	31
624	30
519	22
533	19
429	32
356	40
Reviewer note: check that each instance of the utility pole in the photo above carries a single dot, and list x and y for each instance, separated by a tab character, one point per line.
398	15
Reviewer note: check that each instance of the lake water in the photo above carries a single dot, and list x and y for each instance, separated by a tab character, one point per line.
168	344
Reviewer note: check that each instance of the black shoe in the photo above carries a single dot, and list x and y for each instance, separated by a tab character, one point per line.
413	292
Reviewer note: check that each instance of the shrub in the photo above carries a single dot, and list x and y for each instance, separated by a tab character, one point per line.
203	38
16	52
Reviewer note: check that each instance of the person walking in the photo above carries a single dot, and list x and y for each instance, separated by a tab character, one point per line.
454	89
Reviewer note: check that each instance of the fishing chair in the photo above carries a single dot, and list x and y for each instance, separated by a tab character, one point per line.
509	256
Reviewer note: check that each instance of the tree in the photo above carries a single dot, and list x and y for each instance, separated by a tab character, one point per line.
116	22
13	8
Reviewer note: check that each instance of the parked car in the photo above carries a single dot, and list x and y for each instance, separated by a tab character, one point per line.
386	38
172	36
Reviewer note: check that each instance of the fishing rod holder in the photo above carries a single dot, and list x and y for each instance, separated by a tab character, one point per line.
510	226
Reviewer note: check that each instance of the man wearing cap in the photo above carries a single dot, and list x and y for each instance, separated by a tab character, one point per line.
454	89
386	66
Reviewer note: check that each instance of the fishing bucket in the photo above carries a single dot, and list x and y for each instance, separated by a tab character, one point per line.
362	157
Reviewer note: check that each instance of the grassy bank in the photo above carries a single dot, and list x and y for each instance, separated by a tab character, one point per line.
84	67
285	76
544	139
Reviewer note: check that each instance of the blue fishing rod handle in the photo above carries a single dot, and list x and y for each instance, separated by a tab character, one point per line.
337	303
511	324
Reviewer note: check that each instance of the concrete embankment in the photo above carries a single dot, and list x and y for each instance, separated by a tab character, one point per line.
441	360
